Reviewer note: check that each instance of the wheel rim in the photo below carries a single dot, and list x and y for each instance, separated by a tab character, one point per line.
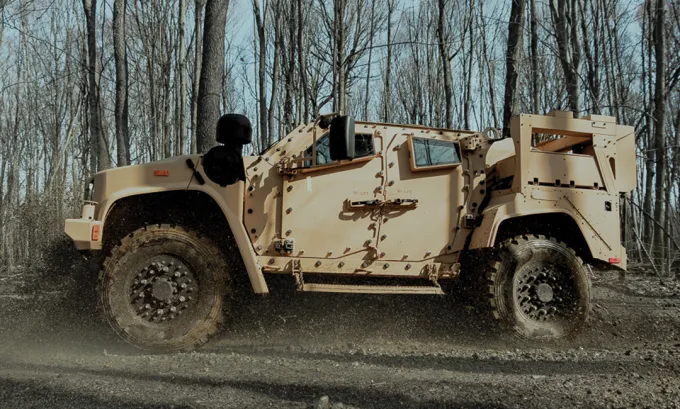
163	290
546	293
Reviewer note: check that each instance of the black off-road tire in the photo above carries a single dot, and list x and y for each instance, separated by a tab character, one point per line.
539	289
155	269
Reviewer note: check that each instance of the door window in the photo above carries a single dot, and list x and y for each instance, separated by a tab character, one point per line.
427	153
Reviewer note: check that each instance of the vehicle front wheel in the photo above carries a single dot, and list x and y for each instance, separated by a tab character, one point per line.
539	288
163	288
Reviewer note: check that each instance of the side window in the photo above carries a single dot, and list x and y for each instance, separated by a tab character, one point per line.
432	152
363	146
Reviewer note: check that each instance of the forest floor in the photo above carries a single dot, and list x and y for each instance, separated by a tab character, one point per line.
332	351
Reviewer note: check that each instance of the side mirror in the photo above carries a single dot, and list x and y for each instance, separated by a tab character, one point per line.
341	139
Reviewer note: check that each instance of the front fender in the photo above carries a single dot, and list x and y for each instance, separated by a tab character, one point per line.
174	175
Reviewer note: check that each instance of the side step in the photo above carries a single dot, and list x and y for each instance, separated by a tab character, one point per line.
370	289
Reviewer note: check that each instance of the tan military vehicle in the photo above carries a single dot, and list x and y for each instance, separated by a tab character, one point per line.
358	207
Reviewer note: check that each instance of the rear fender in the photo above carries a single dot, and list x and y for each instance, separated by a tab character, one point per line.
602	241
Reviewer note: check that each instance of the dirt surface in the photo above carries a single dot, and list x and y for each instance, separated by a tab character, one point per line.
331	351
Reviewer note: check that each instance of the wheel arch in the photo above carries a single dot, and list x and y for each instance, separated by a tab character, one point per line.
558	225
510	216
218	216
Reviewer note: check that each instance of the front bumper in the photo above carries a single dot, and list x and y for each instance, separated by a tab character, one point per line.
85	232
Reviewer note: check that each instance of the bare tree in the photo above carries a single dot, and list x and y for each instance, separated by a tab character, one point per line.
211	73
97	139
198	55
121	110
262	70
445	61
511	61
566	34
533	27
181	128
659	120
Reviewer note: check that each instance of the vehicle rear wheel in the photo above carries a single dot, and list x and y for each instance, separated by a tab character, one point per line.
163	288
539	288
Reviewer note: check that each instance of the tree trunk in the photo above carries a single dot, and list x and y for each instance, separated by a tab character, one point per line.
659	117
302	58
467	106
565	32
97	139
489	68
340	34
120	56
211	73
198	55
511	60
181	131
647	91
290	54
278	49
533	27
370	58
262	72
446	63
387	106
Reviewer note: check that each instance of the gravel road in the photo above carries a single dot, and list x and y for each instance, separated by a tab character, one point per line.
341	351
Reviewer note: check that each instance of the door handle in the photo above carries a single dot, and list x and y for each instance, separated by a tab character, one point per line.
393	203
402	203
362	204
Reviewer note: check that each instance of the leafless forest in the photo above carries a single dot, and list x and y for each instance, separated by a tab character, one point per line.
86	85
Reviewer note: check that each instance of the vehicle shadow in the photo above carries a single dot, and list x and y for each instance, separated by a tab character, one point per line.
304	393
287	317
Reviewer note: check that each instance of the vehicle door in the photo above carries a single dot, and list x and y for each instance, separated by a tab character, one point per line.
424	195
326	205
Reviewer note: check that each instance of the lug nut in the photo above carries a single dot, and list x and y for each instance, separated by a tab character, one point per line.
182	299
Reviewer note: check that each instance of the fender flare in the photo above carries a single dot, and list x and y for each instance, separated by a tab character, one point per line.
507	207
228	199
